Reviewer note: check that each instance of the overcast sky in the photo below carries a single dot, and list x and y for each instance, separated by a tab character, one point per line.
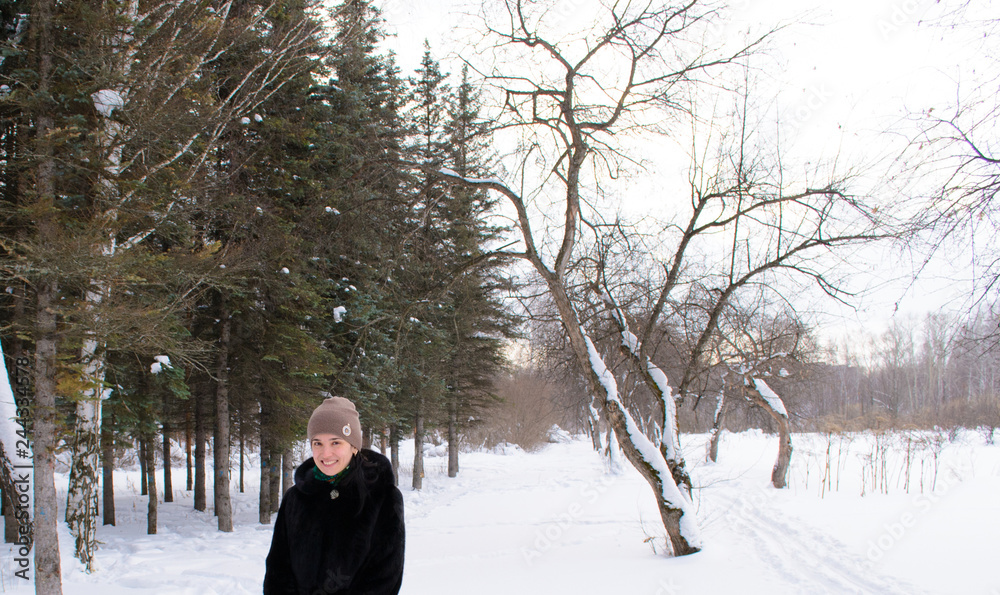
842	72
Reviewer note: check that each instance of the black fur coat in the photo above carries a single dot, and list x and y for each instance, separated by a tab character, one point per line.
345	540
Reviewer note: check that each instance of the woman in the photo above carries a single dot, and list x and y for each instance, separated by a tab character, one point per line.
340	527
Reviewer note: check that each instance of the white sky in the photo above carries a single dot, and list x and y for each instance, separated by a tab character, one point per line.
842	71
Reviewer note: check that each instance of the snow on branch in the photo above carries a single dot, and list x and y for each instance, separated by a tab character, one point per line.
771	397
654	374
671	494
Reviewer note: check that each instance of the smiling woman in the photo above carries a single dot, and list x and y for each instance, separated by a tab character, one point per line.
340	527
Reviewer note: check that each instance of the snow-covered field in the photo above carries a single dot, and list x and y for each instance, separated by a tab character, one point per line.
561	521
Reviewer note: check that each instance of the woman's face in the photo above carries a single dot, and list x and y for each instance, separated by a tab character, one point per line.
331	453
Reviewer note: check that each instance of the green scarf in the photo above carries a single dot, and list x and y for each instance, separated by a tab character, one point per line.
330	479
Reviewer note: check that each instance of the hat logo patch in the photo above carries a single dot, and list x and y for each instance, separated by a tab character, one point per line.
347	430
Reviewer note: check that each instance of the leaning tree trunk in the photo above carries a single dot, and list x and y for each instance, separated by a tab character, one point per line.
675	509
762	395
656	381
673	506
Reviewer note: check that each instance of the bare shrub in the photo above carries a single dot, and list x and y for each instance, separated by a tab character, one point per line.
525	411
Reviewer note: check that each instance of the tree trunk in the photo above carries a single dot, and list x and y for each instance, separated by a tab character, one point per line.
48	570
223	504
108	479
418	449
168	482
594	429
673	505
277	466
188	460
287	470
143	469
200	440
81	495
718	423
656	381
242	459
453	438
264	505
762	395
394	451
151	508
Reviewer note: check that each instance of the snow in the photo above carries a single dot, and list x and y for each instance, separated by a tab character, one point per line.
162	361
770	396
556	522
451	173
338	313
106	101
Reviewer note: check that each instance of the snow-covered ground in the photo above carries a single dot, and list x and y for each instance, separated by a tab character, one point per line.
560	521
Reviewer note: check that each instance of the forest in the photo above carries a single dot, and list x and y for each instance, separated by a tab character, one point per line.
215	213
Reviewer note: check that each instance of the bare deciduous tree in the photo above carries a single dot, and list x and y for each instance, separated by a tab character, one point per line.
567	101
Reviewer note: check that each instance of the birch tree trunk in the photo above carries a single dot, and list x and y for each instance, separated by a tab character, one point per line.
81	493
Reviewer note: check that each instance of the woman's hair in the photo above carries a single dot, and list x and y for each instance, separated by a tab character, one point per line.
359	477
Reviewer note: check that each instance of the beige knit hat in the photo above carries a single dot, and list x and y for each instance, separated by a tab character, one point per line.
337	416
